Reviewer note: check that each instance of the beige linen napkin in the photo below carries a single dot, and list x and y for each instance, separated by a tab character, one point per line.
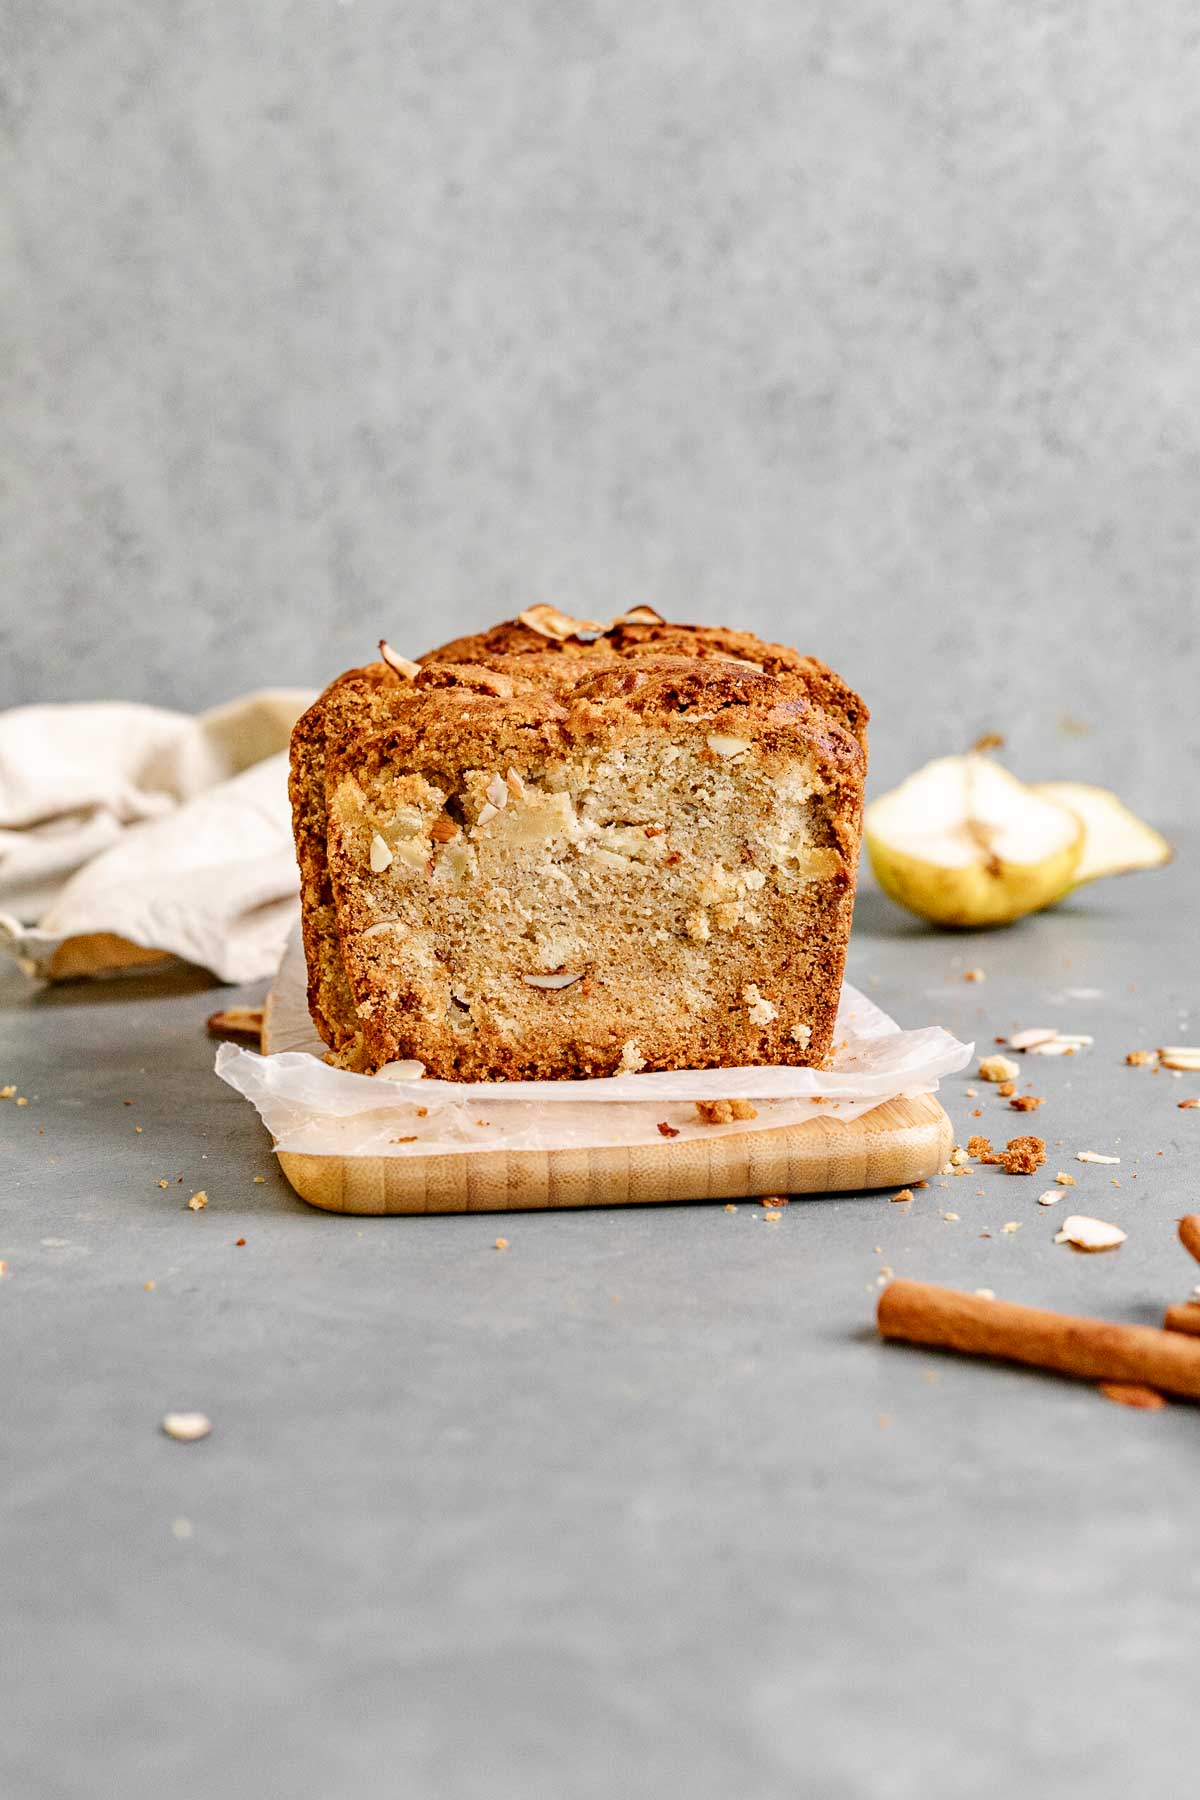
129	833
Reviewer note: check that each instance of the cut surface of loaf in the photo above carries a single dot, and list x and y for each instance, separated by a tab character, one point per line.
535	860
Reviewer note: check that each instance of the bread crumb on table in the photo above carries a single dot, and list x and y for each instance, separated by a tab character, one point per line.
198	1201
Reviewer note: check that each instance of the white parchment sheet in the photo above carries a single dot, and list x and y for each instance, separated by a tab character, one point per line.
315	1110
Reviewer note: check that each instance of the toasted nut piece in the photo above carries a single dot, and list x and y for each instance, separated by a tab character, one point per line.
381	855
497	792
401	664
186	1428
1089	1234
1138	1059
198	1201
1180	1057
237	1022
549	622
1036	1034
443	829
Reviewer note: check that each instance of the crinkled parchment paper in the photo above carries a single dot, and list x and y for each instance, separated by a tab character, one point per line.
314	1110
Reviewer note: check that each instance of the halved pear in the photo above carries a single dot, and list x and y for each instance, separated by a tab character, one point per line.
1115	840
963	842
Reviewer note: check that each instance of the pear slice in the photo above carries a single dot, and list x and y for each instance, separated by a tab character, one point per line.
963	842
1115	840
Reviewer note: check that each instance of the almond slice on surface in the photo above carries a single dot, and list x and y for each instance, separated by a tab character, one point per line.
244	1022
1083	1233
1036	1034
1094	1156
1180	1056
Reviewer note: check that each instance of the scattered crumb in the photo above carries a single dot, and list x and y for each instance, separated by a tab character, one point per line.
1026	1102
999	1068
198	1202
149	1286
723	1112
772	1215
127	1103
974	975
1007	1089
991	740
259	1180
186	1428
730	1207
412	1140
958	1157
21	1100
950	1217
668	1131
971	1093
138	1128
1064	1180
1083	1233
238	1243
979	1147
773	1200
904	1196
1012	1225
1139	1059
1183	1105
3	1270
1094	1156
977	1112
1023	1155
502	1243
422	1112
6	1093
164	1182
1132	1393
883	1421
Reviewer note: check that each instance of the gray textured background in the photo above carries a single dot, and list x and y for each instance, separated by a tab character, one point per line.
873	327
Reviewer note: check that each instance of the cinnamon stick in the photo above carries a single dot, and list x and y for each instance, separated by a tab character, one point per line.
1189	1234
1184	1318
1089	1349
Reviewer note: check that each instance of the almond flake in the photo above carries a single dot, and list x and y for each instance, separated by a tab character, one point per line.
487	811
186	1428
1056	1046
381	855
551	981
1180	1057
1089	1234
497	792
515	784
1051	1197
401	664
721	745
1036	1034
1094	1156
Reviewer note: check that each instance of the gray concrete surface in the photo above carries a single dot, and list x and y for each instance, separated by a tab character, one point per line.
870	326
637	1508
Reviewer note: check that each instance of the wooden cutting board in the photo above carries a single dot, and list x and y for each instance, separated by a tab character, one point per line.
899	1142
